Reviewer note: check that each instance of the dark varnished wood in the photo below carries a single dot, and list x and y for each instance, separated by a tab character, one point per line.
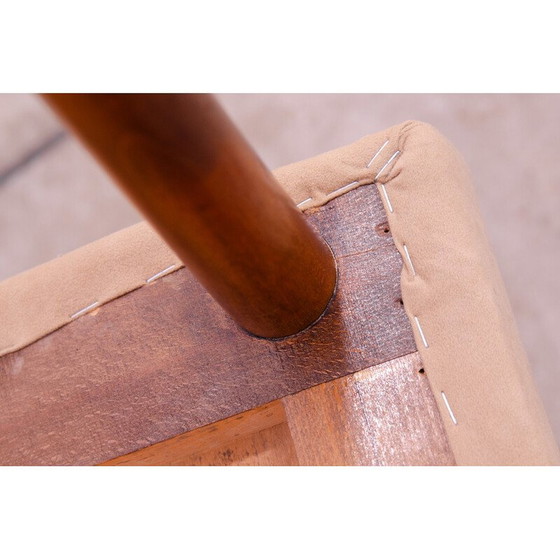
185	165
166	359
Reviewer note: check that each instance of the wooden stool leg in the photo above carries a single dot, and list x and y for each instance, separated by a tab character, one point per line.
189	170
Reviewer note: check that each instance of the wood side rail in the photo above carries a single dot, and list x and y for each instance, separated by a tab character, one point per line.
188	169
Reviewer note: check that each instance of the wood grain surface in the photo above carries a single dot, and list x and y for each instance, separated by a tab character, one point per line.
257	437
166	359
383	415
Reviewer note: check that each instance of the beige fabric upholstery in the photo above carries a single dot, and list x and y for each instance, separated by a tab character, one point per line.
451	286
45	298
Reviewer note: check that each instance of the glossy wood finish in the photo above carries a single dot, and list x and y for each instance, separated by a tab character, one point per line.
189	170
383	415
166	359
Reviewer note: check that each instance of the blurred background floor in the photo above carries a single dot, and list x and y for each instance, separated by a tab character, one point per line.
55	198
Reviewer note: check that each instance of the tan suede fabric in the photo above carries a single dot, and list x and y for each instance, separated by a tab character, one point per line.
45	298
451	286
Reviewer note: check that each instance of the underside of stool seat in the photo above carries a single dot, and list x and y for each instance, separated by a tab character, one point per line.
116	348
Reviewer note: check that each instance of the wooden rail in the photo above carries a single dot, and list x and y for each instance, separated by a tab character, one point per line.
189	170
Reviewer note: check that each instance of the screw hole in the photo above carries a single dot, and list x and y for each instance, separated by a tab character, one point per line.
383	229
401	301
421	370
